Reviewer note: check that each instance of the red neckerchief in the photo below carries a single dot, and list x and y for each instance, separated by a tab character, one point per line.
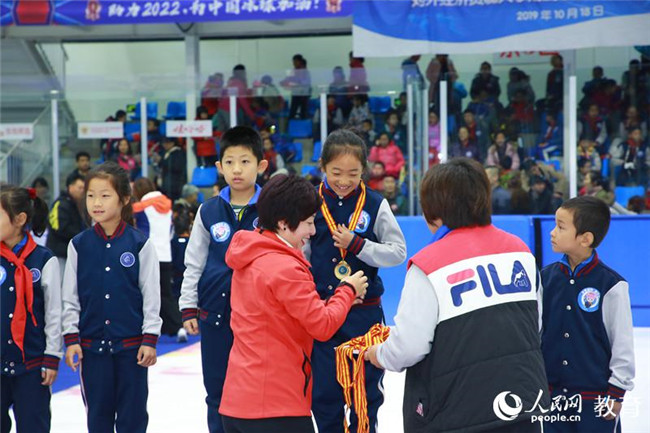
24	290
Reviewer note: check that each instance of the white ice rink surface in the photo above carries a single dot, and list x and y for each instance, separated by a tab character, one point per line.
176	396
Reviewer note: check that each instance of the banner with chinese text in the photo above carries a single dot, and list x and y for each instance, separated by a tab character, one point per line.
98	12
399	28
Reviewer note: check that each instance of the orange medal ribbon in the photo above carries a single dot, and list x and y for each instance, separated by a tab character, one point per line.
343	269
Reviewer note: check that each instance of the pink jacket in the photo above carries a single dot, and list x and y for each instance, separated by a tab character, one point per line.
391	156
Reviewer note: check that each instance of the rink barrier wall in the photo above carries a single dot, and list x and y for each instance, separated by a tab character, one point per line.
626	249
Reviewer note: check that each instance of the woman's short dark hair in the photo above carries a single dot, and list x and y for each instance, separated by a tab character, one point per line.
289	198
458	192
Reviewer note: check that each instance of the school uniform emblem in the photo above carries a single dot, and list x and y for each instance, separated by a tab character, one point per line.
36	275
3	274
589	299
363	223
127	259
220	231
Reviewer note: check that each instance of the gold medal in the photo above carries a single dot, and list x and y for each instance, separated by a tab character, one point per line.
342	270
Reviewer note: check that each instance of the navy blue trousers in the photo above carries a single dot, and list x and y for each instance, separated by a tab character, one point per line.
29	400
589	421
216	342
327	399
114	388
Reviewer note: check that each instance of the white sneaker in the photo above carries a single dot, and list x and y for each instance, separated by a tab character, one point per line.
181	336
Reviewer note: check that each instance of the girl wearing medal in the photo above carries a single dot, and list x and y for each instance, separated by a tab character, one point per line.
355	231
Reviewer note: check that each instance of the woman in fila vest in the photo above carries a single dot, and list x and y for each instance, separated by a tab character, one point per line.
467	325
31	313
111	301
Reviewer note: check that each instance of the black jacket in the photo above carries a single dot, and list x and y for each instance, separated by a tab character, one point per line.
64	224
173	173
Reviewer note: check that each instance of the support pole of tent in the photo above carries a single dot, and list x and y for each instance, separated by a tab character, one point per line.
444	136
323	118
192	72
144	137
570	131
573	137
411	148
56	171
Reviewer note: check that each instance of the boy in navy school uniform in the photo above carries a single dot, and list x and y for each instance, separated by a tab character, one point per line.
205	292
587	336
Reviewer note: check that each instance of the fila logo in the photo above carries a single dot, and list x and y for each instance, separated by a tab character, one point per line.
466	280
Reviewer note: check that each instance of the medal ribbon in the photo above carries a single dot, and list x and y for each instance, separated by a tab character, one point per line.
331	224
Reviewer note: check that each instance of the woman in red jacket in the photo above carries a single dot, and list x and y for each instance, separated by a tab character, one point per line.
387	152
277	314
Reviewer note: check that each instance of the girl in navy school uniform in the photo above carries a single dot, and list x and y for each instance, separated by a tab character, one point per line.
355	230
111	305
31	312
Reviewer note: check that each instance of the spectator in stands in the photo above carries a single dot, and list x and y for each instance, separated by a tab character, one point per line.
368	132
377	175
500	196
334	116
521	112
360	110
441	68
636	204
541	197
65	219
108	147
550	143
239	82
519	198
485	81
173	169
212	93
205	148
411	71
401	106
634	84
584	168
189	198
501	149
520	82
478	133
587	150
396	131
299	83
391	193
272	97
434	138
358	82
339	89
464	146
387	152
457	92
631	159
481	108
592	127
274	158
632	120
594	85
42	188
597	186
126	160
82	161
555	84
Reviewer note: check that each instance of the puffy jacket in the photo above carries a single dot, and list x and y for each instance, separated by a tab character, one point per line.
276	315
65	223
391	156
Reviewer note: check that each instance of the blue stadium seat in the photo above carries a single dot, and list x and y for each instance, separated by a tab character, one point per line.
314	104
317	150
379	104
152	111
556	164
300	128
204	176
298	148
131	128
309	170
176	110
625	193
605	168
